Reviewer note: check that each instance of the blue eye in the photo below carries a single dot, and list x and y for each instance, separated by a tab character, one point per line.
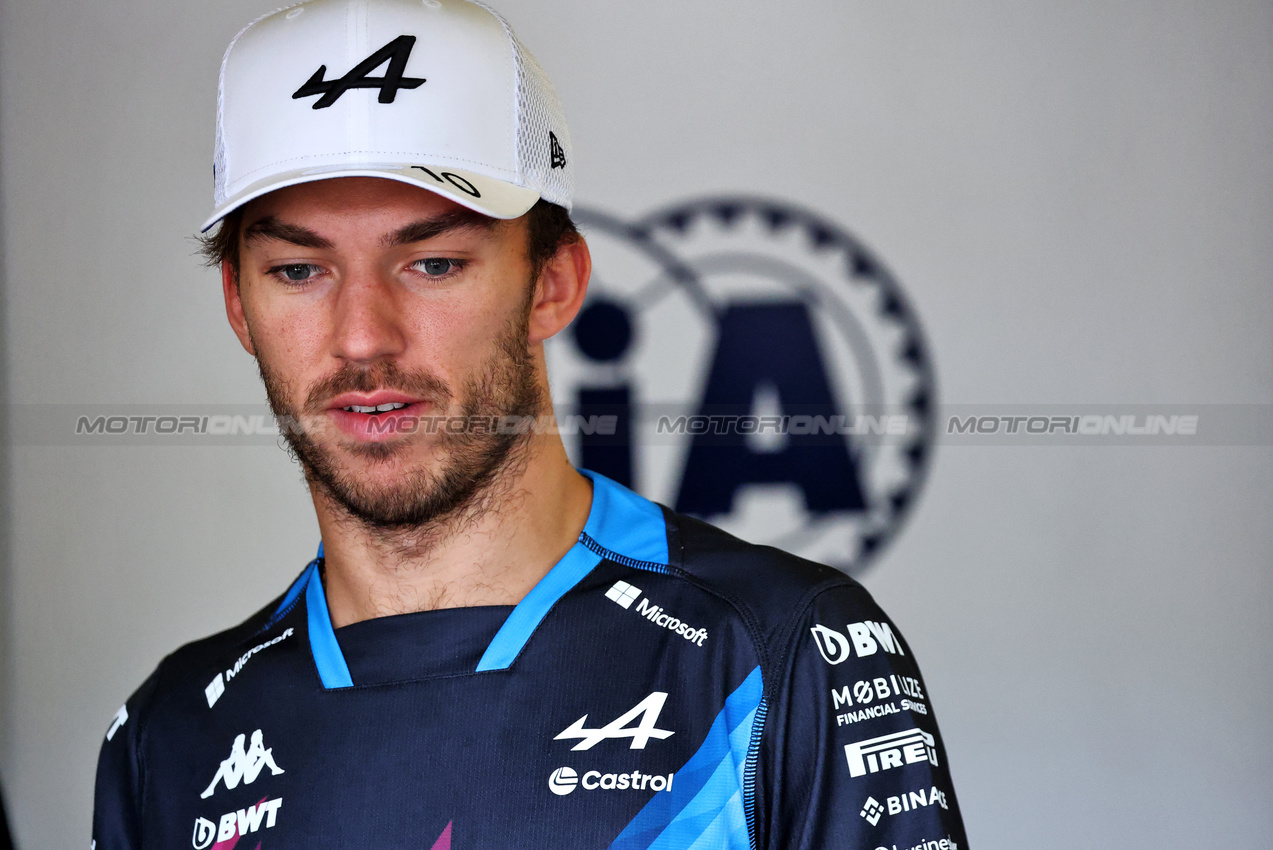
436	266
296	272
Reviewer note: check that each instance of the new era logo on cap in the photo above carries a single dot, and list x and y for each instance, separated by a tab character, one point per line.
441	95
623	593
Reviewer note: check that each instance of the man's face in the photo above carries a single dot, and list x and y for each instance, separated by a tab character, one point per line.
373	308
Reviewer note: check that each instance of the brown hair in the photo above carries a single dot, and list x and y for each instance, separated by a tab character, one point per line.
549	228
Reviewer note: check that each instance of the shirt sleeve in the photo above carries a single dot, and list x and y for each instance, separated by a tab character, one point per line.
117	800
851	756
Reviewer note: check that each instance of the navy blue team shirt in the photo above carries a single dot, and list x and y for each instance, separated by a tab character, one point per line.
664	687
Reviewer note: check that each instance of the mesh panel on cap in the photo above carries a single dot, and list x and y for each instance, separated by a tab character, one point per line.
539	112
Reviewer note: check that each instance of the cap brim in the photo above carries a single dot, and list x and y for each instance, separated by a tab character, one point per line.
478	192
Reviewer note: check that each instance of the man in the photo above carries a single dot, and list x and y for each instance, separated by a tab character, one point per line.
491	649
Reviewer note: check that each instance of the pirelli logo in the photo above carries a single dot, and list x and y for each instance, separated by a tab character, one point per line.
889	751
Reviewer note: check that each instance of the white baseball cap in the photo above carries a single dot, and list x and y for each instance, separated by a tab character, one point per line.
436	93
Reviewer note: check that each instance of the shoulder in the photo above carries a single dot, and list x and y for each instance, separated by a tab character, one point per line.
772	587
773	592
176	696
196	668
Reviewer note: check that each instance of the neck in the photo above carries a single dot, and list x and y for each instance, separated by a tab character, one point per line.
491	551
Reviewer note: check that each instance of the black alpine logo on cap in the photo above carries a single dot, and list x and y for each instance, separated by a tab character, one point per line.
556	151
395	53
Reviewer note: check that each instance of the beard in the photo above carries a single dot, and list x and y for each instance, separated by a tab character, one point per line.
468	462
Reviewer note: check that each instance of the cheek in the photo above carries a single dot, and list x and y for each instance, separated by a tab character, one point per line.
290	342
461	337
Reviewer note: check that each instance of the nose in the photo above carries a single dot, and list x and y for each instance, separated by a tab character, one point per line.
367	319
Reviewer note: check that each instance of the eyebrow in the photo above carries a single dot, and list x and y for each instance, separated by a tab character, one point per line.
430	228
271	228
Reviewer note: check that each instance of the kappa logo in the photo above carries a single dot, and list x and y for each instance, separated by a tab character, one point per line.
243	765
624	594
396	53
867	637
234	825
889	751
647	709
764	369
216	687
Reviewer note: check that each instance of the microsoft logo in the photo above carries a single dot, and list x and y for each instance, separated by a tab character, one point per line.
623	593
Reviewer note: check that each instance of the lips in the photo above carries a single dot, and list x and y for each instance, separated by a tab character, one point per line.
382	408
377	417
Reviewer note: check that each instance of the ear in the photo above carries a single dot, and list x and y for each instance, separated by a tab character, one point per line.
234	308
559	292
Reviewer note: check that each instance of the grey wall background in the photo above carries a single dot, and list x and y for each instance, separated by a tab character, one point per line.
1078	198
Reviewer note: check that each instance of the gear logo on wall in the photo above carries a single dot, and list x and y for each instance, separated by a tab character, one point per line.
762	370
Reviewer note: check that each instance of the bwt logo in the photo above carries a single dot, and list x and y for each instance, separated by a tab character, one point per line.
236	824
867	637
764	369
890	751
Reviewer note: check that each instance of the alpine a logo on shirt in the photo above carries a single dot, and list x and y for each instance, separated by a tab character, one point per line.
890	751
243	765
234	825
867	637
216	687
624	594
564	780
647	709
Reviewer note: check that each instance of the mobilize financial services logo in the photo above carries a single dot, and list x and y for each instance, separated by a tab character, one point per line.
765	370
866	637
872	693
234	825
624	594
